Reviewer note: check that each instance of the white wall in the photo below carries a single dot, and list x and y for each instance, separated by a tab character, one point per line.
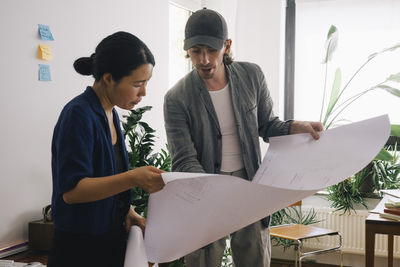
29	108
259	34
191	5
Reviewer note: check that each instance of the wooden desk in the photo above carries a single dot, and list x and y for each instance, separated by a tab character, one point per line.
377	225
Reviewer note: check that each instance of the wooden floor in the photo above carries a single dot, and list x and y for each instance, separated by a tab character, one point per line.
41	256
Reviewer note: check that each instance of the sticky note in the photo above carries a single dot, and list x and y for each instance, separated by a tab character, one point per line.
45	33
44	73
45	52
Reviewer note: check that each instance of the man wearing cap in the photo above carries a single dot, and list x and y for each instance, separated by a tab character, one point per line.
214	117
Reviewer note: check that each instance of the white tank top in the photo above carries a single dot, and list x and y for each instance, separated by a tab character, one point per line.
232	159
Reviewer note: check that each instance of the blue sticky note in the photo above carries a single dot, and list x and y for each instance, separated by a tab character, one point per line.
44	73
45	33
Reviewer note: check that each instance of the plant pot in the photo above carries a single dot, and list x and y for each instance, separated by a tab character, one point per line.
366	183
367	186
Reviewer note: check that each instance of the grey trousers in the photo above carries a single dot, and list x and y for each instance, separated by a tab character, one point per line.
251	246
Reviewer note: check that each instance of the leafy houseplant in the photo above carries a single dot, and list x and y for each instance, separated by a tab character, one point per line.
336	103
383	171
378	174
141	142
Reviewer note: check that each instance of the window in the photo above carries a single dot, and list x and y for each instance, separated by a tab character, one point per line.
365	27
179	66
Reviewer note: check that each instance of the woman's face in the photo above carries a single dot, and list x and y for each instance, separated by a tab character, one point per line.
129	91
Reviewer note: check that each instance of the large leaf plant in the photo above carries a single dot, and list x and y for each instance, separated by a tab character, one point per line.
383	171
337	104
141	140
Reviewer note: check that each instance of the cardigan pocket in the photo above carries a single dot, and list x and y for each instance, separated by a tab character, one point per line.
253	110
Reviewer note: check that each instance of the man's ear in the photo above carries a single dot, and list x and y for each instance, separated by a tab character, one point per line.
107	78
228	44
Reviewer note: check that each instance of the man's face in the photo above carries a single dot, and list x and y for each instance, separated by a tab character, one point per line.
208	61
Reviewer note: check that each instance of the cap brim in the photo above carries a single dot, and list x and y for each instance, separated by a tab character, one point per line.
210	41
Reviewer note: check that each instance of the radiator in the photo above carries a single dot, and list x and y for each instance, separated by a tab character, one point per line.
352	228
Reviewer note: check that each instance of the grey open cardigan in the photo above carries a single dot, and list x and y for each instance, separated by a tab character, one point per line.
191	123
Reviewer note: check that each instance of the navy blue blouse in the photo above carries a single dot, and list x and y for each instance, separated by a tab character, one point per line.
81	147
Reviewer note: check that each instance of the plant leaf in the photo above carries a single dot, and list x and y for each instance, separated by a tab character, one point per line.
392	48
394	77
334	93
395	130
389	89
331	43
384	155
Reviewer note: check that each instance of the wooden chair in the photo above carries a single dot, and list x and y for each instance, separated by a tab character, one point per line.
299	233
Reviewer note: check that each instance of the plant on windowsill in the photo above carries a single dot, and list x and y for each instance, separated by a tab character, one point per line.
141	143
383	172
379	174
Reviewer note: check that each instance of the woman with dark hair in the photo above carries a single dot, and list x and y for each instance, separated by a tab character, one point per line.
91	181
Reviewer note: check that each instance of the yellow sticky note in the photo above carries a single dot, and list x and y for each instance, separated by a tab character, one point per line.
45	52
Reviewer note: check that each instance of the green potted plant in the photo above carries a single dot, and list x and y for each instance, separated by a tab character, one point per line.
141	143
383	171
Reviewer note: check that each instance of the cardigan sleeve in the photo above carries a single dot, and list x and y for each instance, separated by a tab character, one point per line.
269	124
72	148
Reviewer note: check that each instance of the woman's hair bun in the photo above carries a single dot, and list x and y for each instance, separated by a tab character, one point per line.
84	65
118	54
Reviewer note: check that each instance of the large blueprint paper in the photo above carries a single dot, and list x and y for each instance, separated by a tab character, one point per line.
194	210
135	250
